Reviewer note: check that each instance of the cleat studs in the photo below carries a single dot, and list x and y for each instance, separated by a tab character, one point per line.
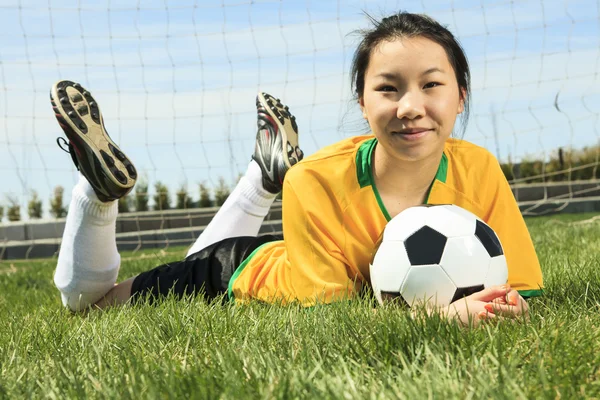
64	100
117	153
76	85
120	176
107	159
83	110
77	98
132	172
93	104
71	114
81	125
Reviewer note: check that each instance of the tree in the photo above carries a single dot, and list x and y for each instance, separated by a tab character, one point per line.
124	204
57	210
205	200
141	196
161	198
1	213
34	208
221	192
183	199
14	209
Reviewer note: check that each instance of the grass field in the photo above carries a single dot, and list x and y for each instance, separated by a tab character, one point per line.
194	349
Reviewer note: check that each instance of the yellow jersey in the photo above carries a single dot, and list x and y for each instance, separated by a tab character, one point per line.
333	217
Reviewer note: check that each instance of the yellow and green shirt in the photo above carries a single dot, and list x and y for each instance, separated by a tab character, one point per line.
333	217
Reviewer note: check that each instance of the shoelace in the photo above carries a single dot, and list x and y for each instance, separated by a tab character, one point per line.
69	149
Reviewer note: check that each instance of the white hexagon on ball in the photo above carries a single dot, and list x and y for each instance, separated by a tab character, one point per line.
497	273
451	221
428	283
466	261
405	224
389	267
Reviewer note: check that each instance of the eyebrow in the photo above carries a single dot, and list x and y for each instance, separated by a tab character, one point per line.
389	75
432	70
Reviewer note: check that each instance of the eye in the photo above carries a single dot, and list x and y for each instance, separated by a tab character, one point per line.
386	88
431	85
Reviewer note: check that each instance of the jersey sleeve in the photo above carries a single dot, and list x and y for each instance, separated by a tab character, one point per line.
505	218
318	271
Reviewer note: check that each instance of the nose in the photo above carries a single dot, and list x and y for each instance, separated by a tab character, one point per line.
410	106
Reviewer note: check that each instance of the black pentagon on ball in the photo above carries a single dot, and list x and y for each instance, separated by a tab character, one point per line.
425	246
465	291
393	298
488	238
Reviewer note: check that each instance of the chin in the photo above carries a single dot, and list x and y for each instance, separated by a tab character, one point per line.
415	153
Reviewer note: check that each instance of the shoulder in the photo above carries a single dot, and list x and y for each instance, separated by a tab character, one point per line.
466	152
331	163
467	160
473	171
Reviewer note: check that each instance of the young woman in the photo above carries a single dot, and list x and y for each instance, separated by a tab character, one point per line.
411	79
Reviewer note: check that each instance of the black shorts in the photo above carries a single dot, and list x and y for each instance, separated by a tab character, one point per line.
205	273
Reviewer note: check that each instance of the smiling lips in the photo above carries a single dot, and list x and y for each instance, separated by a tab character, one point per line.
412	133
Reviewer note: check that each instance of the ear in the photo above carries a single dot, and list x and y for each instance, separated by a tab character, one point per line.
361	102
461	101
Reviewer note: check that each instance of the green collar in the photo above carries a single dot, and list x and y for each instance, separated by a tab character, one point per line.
364	172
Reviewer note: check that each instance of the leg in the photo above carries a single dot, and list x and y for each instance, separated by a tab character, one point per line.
206	273
88	261
276	151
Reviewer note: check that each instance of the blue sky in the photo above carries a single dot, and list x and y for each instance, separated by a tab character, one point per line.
176	80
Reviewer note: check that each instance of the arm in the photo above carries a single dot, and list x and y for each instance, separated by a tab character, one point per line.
504	216
313	233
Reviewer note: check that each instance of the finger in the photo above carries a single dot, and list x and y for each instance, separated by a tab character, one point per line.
513	297
505	310
499	300
485	317
491	293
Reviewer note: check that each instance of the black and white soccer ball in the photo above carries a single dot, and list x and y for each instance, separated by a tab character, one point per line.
436	254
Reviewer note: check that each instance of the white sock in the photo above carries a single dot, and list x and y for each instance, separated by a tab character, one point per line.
88	261
243	212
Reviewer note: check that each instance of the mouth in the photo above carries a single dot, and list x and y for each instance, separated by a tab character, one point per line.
412	134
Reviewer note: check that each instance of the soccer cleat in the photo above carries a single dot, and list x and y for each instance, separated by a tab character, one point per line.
96	156
276	149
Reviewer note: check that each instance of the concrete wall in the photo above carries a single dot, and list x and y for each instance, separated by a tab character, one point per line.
35	239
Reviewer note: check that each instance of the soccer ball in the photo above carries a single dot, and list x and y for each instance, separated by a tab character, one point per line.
436	254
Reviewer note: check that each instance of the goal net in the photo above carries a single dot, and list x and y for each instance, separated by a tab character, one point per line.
176	82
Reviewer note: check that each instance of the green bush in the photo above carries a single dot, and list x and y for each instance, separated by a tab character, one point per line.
141	196
57	209
162	201
34	207
183	199
205	200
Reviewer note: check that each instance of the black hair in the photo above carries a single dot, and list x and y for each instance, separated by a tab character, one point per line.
404	24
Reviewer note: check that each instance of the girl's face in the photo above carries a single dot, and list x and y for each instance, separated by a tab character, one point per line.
411	98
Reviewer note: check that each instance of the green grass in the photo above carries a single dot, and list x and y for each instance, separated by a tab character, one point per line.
194	349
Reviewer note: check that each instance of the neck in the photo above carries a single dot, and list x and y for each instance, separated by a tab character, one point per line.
405	178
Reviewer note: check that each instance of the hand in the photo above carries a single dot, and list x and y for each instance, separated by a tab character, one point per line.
512	305
496	302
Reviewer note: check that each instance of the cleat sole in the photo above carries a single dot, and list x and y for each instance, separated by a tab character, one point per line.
107	168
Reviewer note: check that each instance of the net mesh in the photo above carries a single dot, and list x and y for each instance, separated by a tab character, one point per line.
176	83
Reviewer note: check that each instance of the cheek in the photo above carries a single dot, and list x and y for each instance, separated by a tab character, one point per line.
378	108
444	110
